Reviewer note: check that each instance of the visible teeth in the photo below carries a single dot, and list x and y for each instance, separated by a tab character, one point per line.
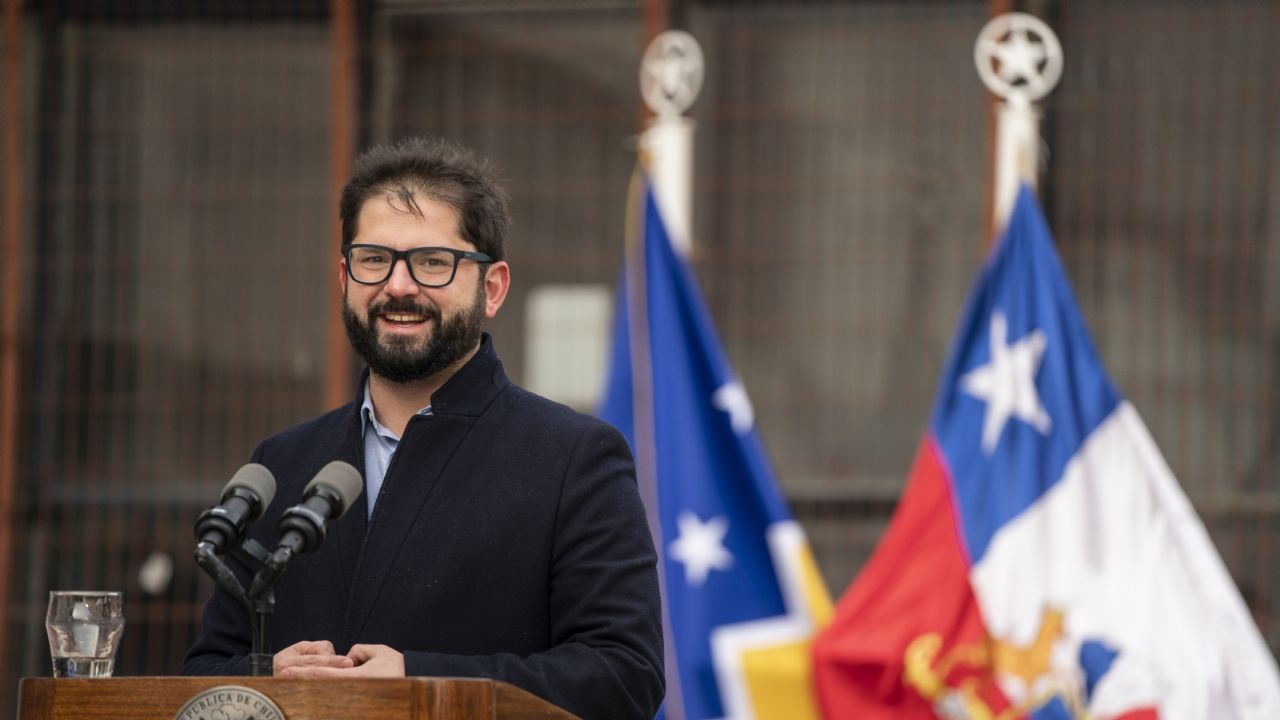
403	317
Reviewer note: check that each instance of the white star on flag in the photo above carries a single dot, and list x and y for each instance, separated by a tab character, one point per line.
700	547
732	398
1008	382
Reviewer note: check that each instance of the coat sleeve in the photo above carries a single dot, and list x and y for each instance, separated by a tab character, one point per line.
223	645
606	654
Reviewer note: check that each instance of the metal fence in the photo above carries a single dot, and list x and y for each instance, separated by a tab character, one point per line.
175	260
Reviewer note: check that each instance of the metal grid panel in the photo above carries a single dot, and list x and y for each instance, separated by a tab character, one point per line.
552	96
176	231
841	157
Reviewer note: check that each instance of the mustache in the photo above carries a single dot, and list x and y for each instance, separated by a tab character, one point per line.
401	305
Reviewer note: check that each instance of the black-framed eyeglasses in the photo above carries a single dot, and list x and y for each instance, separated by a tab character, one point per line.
429	266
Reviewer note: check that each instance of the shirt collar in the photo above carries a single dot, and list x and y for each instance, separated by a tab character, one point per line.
367	416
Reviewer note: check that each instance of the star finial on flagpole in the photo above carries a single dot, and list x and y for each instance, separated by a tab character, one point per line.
1007	383
671	73
1018	57
700	547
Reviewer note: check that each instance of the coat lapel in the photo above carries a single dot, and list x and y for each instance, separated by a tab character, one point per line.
415	471
429	444
347	534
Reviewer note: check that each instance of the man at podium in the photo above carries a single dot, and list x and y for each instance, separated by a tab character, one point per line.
500	535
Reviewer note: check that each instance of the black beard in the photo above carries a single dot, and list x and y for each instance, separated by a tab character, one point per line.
398	359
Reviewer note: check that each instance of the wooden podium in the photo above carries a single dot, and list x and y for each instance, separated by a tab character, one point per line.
163	698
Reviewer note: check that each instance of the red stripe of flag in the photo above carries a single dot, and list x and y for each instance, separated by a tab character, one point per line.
915	584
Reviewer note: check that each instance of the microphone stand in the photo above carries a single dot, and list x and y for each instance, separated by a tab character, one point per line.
301	527
260	603
263	607
260	659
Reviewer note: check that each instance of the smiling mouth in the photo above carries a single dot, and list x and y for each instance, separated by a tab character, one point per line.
404	317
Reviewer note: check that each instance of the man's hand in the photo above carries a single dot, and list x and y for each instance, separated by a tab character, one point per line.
375	661
298	658
309	661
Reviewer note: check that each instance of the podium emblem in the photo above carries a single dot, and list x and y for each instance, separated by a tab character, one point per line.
230	702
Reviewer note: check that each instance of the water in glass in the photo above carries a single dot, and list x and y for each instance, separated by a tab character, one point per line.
84	632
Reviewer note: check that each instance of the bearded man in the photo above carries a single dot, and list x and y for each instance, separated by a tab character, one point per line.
500	535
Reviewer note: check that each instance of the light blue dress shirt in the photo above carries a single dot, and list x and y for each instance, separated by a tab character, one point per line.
379	446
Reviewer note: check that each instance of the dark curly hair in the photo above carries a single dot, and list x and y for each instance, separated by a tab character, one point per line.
439	169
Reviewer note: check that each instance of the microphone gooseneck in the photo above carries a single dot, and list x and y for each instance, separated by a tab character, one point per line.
302	527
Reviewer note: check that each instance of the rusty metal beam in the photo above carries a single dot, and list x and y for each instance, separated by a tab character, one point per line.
337	389
11	222
997	8
657	20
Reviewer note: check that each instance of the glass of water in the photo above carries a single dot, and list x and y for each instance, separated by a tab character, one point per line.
84	629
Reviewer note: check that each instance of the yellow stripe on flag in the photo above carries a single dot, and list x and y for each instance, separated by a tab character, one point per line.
780	677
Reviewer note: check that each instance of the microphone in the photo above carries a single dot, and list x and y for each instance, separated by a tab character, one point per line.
302	527
324	500
244	498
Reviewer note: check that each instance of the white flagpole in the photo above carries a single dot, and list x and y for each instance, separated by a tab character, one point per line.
670	79
1020	60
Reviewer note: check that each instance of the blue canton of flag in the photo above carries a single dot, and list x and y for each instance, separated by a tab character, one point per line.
742	596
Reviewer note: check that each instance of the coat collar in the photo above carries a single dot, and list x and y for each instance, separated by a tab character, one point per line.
467	393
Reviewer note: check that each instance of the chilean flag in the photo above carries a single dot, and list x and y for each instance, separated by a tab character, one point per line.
1043	561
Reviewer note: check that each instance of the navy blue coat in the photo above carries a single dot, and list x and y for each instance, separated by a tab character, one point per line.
508	542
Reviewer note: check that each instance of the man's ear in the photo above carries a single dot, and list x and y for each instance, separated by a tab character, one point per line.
497	281
342	275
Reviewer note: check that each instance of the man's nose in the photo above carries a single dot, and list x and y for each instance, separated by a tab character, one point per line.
401	282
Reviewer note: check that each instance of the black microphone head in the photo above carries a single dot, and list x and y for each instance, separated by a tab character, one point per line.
243	500
255	478
342	479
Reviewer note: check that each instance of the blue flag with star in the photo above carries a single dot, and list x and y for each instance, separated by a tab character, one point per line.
742	597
